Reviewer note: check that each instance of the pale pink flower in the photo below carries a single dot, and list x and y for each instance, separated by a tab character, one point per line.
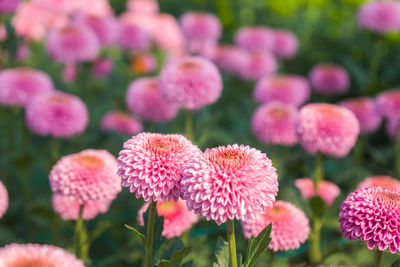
258	65
133	37
380	16
3	199
326	190
120	122
102	67
166	32
388	103
255	38
230	58
285	43
100	8
144	7
105	28
200	26
329	79
380	180
8	6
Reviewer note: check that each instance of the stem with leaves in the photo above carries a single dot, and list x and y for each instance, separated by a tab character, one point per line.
374	65
150	235
232	242
378	258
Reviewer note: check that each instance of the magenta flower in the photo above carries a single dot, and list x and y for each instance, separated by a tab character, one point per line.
290	226
102	67
18	86
285	43
200	26
388	103
380	180
151	164
289	89
18	255
274	123
372	215
326	128
258	65
329	79
177	218
3	199
133	37
255	38
365	111
144	99
229	182
326	190
120	122
380	16
104	27
8	6
230	58
191	82
57	114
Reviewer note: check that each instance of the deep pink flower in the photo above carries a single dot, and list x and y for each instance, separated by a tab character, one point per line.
177	218
290	226
151	164
258	65
380	16
255	38
57	113
120	122
8	6
32	255
388	103
102	66
191	82
133	37
274	123
229	182
18	86
289	89
329	78
144	99
326	190
285	43
372	215
143	7
144	64
380	180
200	26
3	199
105	28
365	111
326	128
230	58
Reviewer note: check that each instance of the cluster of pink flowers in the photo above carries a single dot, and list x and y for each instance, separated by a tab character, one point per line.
328	191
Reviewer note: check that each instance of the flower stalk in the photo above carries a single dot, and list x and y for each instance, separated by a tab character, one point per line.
232	242
150	235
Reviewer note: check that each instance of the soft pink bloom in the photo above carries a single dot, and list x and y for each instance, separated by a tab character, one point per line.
102	67
380	16
177	218
290	226
32	255
285	43
207	49
18	86
105	28
365	111
133	37
144	7
326	190
166	32
191	82
380	180
289	89
3	32
388	103
200	26
151	164
120	122
73	43
69	72
274	123
8	6
230	182
57	114
143	64
393	127
329	79
255	38
146	22
3	199
258	65
372	215
99	8
230	58
144	99
326	128
23	52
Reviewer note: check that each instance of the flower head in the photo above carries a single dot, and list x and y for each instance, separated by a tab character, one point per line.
258	65
151	164
285	43
230	58
8	6
143	7
200	26
102	66
120	122
3	199
143	64
104	27
326	190
329	78
255	38
133	37
290	226
380	16
326	128
229	182
380	180
393	127
388	103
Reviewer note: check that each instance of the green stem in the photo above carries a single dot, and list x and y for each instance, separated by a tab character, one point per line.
272	259
55	154
150	234
319	170
232	243
378	258
374	66
189	125
81	238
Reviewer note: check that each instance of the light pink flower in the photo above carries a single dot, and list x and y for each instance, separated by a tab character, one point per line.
388	103
258	65
8	6
255	38
200	26
290	226
144	64
18	255
166	32
99	8
230	58
380	16
326	128
329	79
120	122
105	28
289	89
151	164
372	215
326	190
144	7
102	67
3	199
274	123
380	180
229	182
285	43
19	85
133	37
177	218
69	72
144	99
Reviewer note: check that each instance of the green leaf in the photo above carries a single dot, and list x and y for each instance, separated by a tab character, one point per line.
158	240
317	206
395	264
176	258
172	245
142	237
257	245
222	253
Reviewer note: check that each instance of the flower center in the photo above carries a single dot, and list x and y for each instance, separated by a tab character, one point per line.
229	157
328	110
280	81
388	199
277	213
163	145
89	160
35	262
58	98
278	112
189	65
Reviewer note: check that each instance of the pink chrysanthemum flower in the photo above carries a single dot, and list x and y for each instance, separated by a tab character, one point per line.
133	37
230	182
8	6
255	38
191	82
393	127
290	89
200	26
230	58
285	43
69	207
143	7
32	255
177	218
373	215
105	28
329	79
167	33
326	128
144	64
102	67
151	164
258	65
274	123
290	226
120	122
73	43
144	99
57	113
90	175
3	199
380	180
388	103
18	86
380	16
365	111
326	190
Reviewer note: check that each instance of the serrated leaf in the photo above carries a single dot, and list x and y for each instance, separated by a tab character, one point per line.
222	253
139	234
395	264
257	245
317	206
176	258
